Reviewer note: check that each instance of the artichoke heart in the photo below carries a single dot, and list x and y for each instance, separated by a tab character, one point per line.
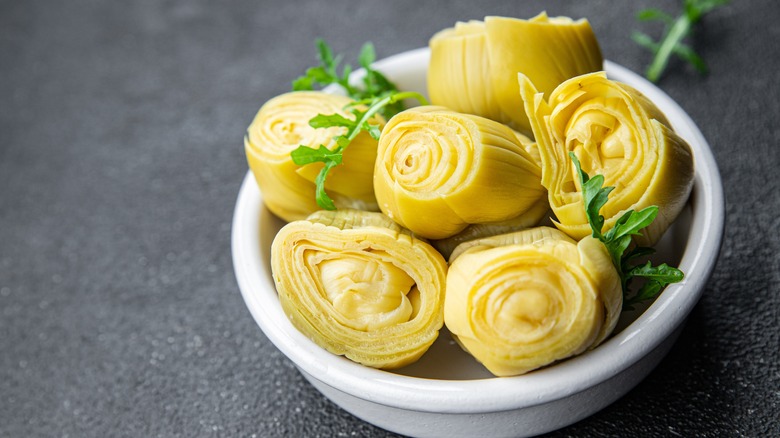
532	217
281	126
361	286
474	65
437	171
614	131
520	301
528	219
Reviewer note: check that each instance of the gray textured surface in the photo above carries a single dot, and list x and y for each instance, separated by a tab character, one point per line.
120	162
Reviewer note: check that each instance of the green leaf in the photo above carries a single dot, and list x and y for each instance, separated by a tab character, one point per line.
323	74
672	41
322	198
374	131
330	120
644	40
651	14
306	155
342	141
318	74
367	55
379	93
325	54
594	196
616	248
636	252
618	240
687	54
662	273
344	81
674	36
303	83
631	222
695	9
705	6
313	75
683	51
374	85
303	155
649	290
658	277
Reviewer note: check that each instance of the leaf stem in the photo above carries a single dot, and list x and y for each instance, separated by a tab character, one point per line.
678	31
672	41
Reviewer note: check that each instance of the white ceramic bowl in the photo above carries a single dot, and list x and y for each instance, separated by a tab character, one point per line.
447	393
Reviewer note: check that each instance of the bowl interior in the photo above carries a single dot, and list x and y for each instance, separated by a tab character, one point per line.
692	243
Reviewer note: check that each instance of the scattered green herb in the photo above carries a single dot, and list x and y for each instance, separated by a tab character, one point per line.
374	83
618	239
676	30
332	158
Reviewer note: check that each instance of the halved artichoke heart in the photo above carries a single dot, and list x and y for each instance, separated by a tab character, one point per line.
474	65
361	286
520	301
614	131
281	126
437	171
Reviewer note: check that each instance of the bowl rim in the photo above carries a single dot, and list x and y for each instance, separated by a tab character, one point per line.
569	377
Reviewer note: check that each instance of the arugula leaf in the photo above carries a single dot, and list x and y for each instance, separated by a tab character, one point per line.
636	252
681	50
650	14
631	222
677	29
367	55
658	277
323	200
333	157
595	199
377	93
326	73
377	84
330	120
306	155
619	238
374	83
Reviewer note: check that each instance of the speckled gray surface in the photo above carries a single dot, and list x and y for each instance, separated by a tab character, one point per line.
121	156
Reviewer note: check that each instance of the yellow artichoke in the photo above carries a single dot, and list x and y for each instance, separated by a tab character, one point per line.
532	217
437	171
359	285
288	190
474	65
528	219
614	131
520	301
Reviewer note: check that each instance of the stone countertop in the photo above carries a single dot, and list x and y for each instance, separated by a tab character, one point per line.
121	156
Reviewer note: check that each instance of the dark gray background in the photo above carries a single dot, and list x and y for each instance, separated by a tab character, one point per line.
121	156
